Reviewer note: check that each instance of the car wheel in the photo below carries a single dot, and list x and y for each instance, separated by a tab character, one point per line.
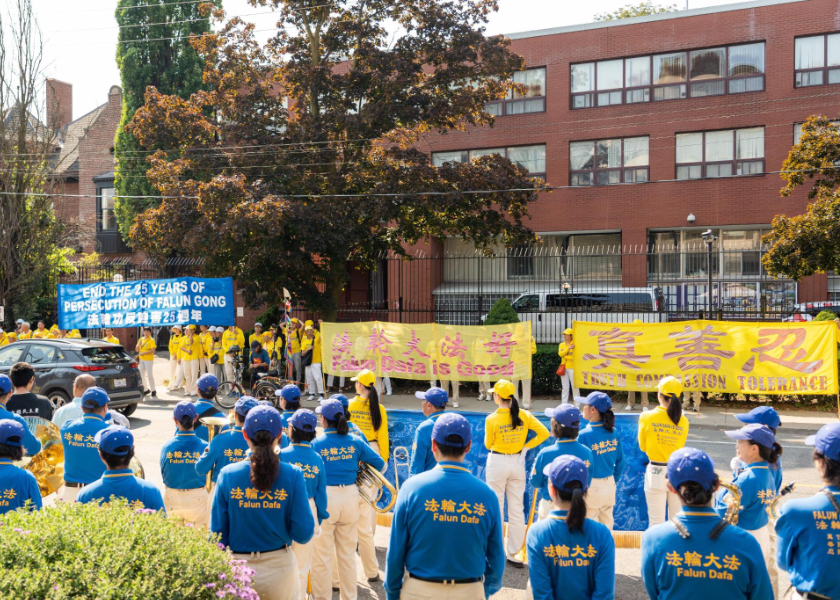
58	398
127	411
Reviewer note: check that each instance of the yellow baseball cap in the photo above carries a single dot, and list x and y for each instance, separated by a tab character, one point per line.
309	323
191	327
54	328
504	388
295	321
568	331
637	322
670	386
366	377
12	335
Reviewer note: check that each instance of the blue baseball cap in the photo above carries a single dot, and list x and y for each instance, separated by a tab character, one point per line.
264	403
94	397
451	429
244	405
565	469
341	398
263	418
114	440
565	414
691	464
598	400
435	396
208	381
330	409
304	420
5	385
764	415
826	441
185	408
289	393
11	432
760	434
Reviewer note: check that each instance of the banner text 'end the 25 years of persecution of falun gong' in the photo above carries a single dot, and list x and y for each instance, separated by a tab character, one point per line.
428	351
713	356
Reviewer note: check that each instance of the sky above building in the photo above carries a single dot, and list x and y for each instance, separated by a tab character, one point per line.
80	36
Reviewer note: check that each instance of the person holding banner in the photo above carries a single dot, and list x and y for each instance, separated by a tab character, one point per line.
661	432
176	373
521	356
146	347
506	434
190	355
567	365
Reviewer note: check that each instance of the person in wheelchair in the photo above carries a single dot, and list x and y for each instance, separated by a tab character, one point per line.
259	363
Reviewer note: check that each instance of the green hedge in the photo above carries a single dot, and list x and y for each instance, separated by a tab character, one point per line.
544	370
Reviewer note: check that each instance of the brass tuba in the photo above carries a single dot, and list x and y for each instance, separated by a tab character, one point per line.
370	481
773	507
212	424
733	503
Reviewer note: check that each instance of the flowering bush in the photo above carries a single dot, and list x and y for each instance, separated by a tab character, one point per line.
87	551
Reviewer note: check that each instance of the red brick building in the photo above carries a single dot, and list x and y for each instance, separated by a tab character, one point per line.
655	129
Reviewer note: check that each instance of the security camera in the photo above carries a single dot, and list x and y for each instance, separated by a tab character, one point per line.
708	236
691	218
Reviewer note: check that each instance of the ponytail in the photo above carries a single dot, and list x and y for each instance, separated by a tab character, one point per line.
515	419
264	462
674	408
694	494
187	423
577	511
770	455
375	414
340	424
608	419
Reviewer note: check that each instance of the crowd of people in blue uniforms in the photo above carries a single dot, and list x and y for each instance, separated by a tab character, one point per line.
293	512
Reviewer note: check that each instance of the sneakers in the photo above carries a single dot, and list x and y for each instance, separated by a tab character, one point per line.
376	579
320	397
387	394
455	404
480	397
311	397
628	407
154	394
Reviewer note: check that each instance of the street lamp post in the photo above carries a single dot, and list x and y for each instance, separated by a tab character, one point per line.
709	238
566	289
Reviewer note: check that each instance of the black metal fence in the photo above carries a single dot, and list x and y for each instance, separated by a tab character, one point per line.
551	288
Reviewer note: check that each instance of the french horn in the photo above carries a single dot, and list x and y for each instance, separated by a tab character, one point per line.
372	485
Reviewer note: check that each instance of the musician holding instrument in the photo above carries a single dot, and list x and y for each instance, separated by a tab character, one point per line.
261	508
434	404
569	555
601	437
662	431
698	554
82	465
757	447
228	446
301	430
184	494
17	485
435	552
207	386
565	426
807	528
342	453
116	449
506	436
30	443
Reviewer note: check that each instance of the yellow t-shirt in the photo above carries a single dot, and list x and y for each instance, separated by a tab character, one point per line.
231	338
308	343
4	339
26	336
74	334
658	436
501	437
41	335
146	345
206	340
190	348
360	415
217	350
111	339
566	353
294	339
174	346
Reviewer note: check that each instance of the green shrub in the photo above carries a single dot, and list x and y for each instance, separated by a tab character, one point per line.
544	370
83	551
825	315
501	313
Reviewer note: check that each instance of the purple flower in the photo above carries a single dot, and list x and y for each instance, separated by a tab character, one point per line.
220	545
189	525
209	586
55	587
221	594
222	576
17	530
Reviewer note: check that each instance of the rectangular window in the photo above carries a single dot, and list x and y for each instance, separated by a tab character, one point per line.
107	217
726	153
694	74
797	130
606	162
531	158
531	100
817	60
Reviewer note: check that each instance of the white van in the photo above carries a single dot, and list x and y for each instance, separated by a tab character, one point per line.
552	312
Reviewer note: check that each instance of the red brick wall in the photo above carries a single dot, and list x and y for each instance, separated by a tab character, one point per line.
59	103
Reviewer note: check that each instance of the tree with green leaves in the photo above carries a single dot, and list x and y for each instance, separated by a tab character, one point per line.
642	9
501	313
809	243
153	50
300	160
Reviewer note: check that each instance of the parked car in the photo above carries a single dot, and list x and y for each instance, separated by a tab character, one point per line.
808	310
552	312
57	363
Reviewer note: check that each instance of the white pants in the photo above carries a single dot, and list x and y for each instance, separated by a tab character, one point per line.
314	379
367	529
191	376
192	505
147	374
228	367
657	495
505	474
276	576
600	500
204	366
337	540
526	391
386	381
631	398
414	589
567	379
762	536
484	388
331	380
176	374
69	494
687	398
772	567
450	386
303	554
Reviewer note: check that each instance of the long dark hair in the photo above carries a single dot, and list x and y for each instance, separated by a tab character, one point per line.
769	455
13	452
375	414
694	494
264	462
564	432
577	511
515	419
187	422
674	408
832	469
340	424
608	419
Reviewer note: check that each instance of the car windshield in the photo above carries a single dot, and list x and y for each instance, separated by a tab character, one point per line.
106	355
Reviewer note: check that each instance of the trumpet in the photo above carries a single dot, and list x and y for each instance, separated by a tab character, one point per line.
773	507
212	423
522	555
401	458
370	481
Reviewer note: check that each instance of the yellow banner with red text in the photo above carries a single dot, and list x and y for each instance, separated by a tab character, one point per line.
714	356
